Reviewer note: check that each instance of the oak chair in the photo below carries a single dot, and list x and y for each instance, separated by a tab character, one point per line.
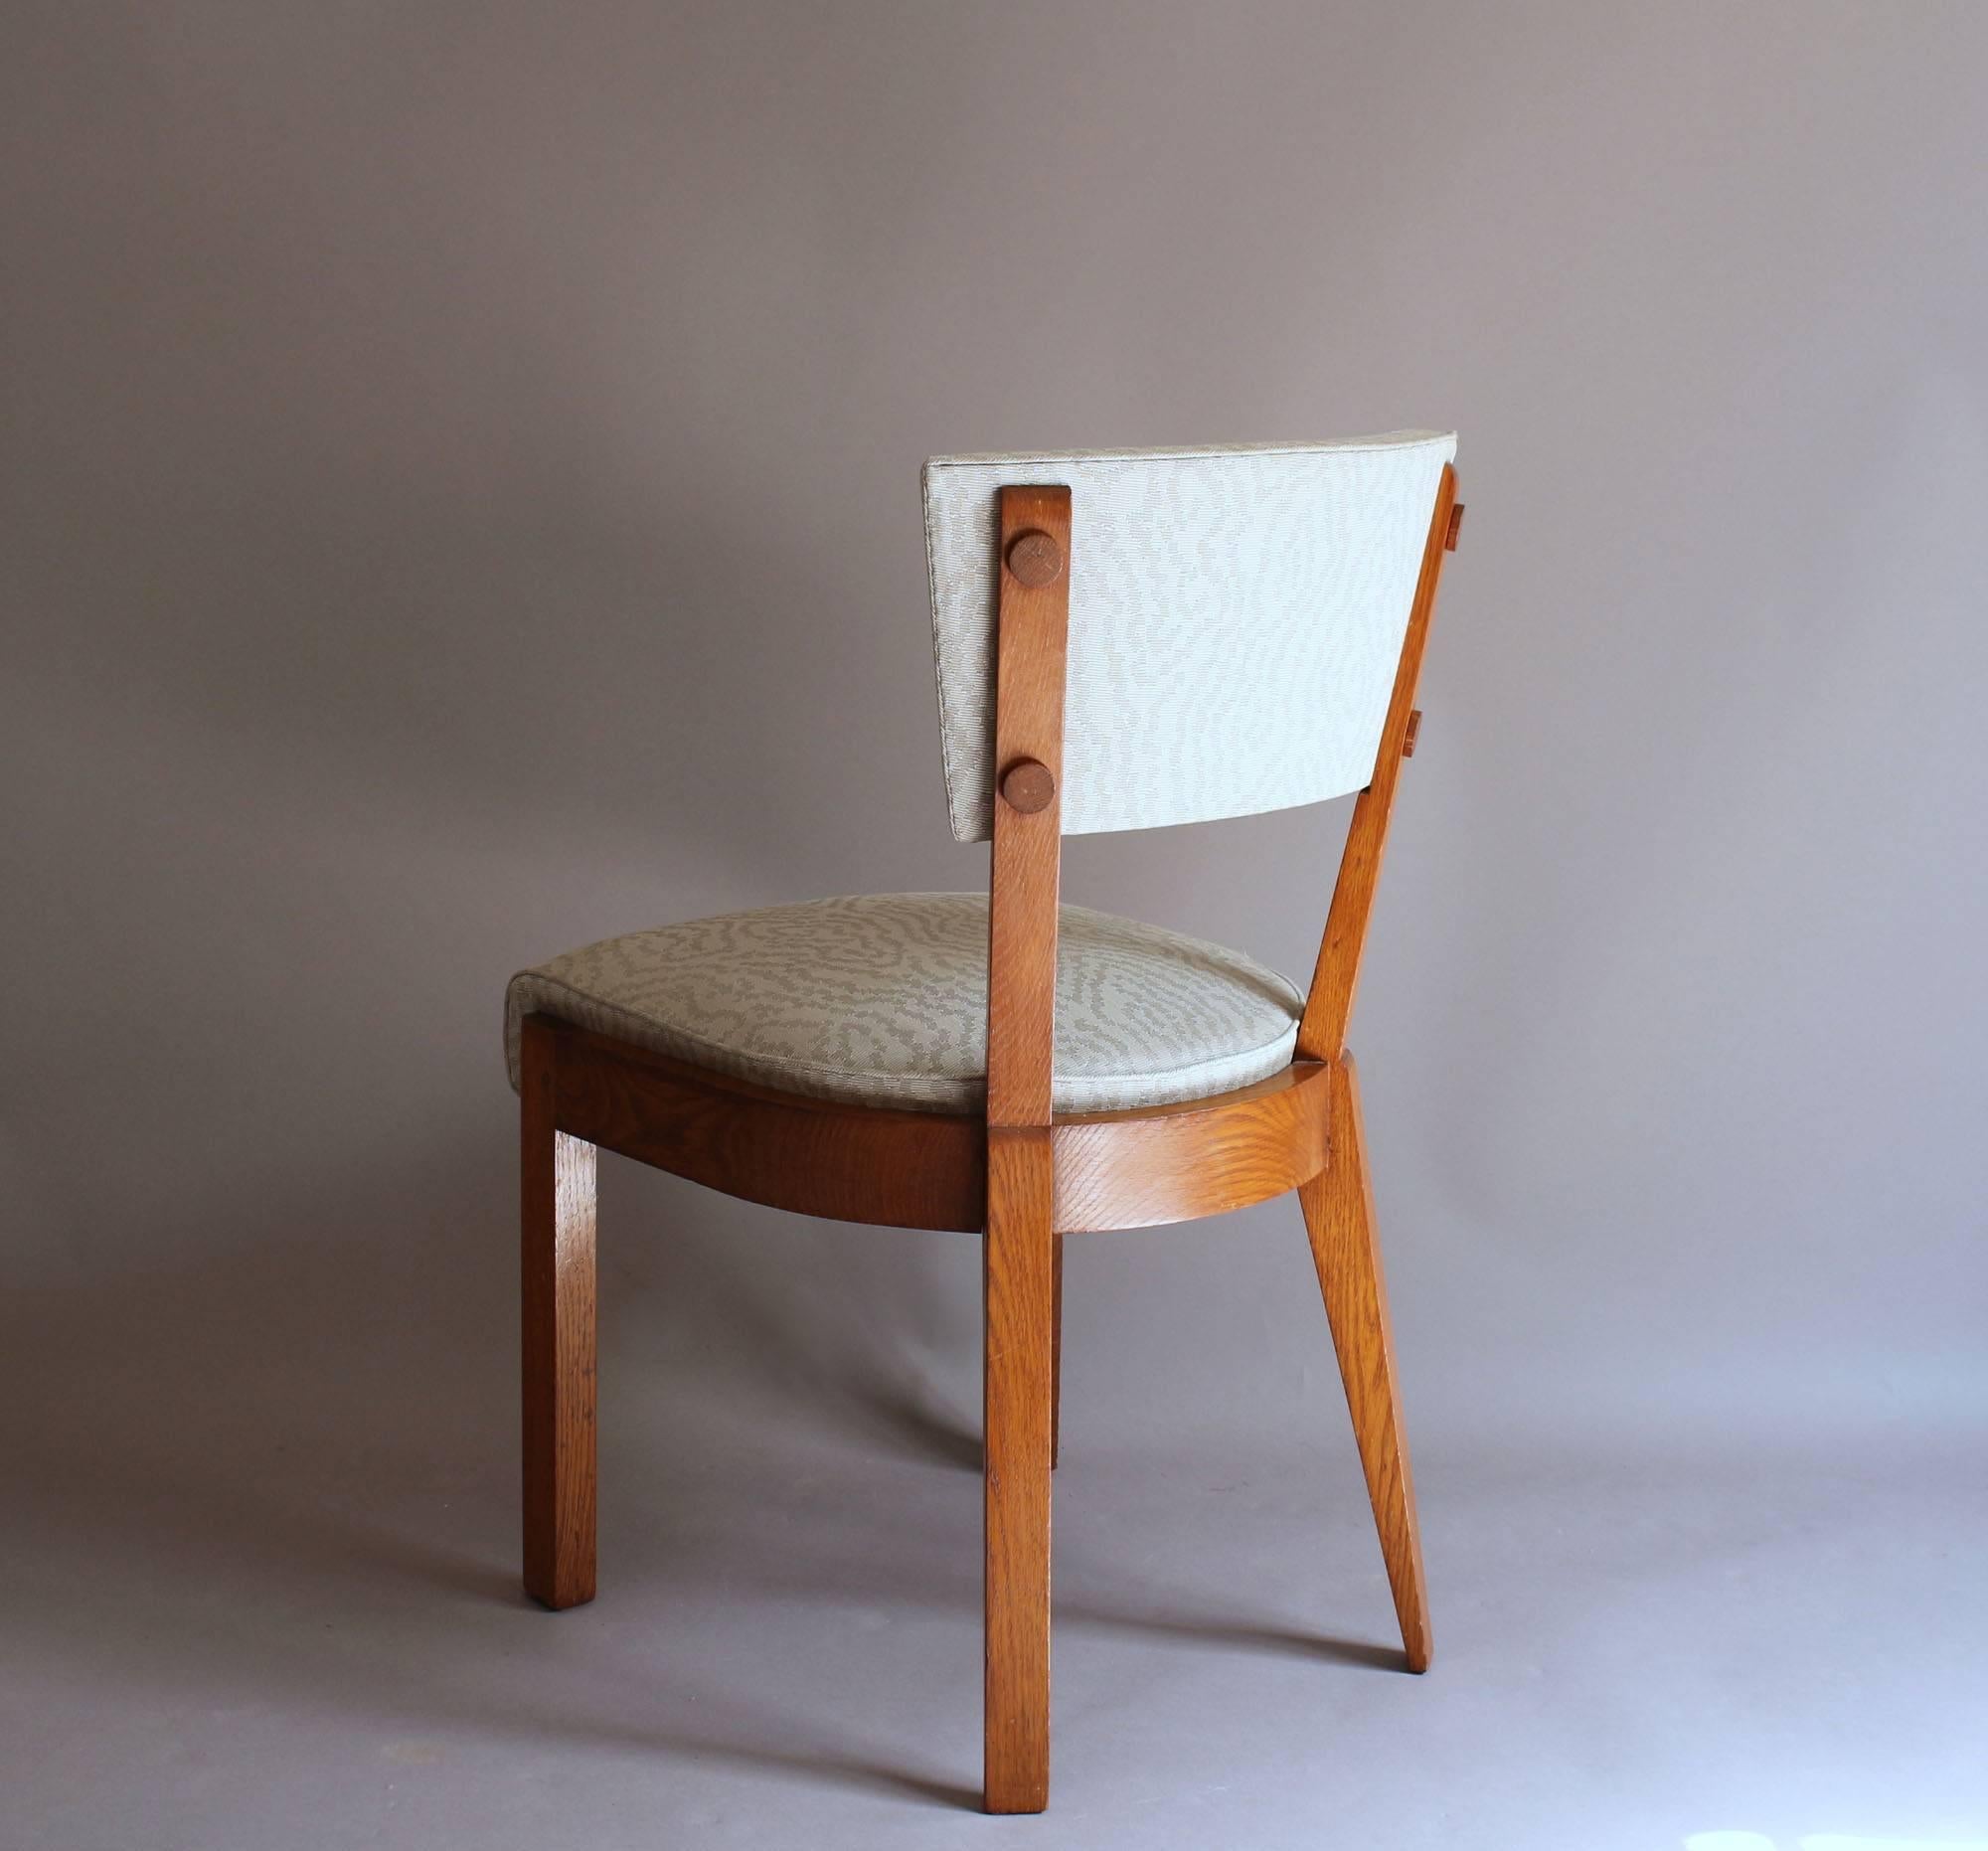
1124	640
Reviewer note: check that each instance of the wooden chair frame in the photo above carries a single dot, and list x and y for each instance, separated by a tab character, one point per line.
1023	1175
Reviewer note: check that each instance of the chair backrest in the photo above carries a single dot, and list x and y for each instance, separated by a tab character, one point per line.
1236	617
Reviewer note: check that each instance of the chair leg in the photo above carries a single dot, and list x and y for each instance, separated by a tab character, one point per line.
1055	1359
1338	1208
558	1342
1020	1296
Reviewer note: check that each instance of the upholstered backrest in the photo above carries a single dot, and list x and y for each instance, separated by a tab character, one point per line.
1235	618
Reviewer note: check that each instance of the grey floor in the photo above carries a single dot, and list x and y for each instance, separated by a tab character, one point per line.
259	1585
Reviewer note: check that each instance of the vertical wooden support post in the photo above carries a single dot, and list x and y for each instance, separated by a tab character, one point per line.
1020	1249
558	1336
1020	1198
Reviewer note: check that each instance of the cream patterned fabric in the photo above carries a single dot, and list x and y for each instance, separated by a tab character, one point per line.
1235	618
882	999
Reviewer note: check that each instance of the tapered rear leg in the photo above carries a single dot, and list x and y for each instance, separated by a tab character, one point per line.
1020	1314
559	1339
1338	1208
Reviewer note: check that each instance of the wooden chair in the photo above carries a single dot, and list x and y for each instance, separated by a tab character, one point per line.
1124	640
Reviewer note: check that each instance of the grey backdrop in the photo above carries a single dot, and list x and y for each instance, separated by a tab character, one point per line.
460	492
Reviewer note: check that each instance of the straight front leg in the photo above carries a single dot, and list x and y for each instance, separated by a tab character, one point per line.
558	1340
1338	1208
1020	1308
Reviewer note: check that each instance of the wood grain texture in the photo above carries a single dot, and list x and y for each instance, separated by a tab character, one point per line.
1139	1168
1338	1209
1172	1163
1329	1005
863	1163
1031	641
1019	1305
558	1297
1020	1245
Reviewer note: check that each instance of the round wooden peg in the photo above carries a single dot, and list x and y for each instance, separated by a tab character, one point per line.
1028	786
1033	558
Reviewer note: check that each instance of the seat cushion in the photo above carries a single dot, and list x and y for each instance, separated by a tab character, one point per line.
882	999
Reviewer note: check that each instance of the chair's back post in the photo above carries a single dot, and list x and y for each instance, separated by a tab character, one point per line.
1322	1030
1020	1247
1031	644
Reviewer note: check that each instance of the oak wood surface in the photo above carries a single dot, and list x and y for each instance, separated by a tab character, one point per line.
1031	638
1338	1209
558	1299
1329	1005
1148	1168
862	1163
1139	1168
1020	1348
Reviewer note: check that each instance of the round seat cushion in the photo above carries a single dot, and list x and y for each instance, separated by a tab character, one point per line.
881	999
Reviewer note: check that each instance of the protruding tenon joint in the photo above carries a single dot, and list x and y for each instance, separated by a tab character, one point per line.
1408	738
1034	558
1028	786
1456	527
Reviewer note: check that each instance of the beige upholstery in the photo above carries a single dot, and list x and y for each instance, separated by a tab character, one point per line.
882	1000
